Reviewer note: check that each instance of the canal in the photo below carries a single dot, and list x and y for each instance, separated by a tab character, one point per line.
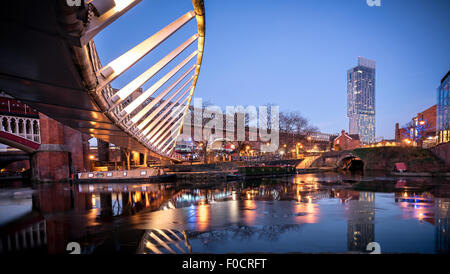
308	213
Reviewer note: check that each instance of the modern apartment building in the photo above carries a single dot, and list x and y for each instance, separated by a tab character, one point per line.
361	100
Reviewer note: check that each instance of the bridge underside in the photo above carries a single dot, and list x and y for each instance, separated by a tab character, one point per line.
7	158
18	142
51	81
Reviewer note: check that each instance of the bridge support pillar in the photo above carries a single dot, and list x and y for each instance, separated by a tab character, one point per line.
103	151
61	153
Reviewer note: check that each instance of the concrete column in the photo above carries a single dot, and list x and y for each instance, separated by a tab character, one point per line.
63	152
106	205
103	151
51	161
87	161
145	159
75	143
136	158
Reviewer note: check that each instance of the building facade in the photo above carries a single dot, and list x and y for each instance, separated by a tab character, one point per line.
424	129
346	141
443	110
361	100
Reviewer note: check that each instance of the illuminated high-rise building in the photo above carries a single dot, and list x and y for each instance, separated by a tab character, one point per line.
443	110
361	222
361	100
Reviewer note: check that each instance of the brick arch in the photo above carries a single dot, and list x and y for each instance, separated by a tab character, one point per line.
347	156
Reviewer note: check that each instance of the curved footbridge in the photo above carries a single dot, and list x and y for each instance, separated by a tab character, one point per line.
50	62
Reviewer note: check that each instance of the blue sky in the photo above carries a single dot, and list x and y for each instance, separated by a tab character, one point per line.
295	53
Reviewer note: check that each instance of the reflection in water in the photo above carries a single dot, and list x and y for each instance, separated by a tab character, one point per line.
442	220
424	207
163	241
202	216
249	212
314	213
361	226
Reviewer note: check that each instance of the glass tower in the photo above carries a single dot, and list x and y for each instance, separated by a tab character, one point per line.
443	110
361	100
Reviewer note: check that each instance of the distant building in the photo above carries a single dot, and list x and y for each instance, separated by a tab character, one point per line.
443	110
398	132
361	100
428	117
385	143
425	119
346	141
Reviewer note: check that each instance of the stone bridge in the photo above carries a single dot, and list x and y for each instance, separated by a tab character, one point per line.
337	159
384	158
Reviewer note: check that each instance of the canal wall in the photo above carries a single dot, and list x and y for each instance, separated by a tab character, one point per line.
206	176
442	151
384	158
203	167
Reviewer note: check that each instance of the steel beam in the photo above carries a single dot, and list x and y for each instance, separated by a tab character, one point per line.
163	104
115	68
127	90
172	121
163	114
149	92
158	98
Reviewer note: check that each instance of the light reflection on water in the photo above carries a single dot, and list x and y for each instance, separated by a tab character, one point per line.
307	213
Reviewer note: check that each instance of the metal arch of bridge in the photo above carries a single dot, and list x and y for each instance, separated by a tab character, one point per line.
75	90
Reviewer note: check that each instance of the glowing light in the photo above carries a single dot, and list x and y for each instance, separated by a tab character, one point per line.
121	4
203	216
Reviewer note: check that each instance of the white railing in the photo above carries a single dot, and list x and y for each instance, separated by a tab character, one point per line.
28	128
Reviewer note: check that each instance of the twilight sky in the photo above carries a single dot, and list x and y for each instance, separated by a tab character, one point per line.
295	53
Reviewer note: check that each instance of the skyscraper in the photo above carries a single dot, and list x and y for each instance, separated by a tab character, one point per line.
361	100
443	110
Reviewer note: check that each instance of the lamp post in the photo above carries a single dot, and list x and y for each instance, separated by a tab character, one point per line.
297	149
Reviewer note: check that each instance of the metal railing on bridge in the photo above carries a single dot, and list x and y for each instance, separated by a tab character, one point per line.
24	127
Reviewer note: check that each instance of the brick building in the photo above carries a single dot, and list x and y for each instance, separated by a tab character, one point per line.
426	119
346	141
